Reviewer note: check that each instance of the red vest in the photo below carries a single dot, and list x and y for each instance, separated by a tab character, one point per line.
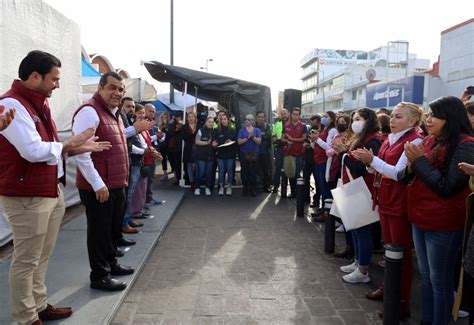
147	158
296	149
392	195
431	212
19	177
112	165
319	154
368	177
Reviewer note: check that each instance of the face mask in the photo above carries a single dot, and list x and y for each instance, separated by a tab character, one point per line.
341	127
248	123
325	121
358	126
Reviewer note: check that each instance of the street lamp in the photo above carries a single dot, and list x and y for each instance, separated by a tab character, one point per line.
324	97
207	65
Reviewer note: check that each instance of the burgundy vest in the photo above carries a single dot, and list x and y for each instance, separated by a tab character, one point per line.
392	195
296	149
112	165
319	154
428	210
19	177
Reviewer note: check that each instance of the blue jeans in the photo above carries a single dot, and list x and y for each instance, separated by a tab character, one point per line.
363	245
320	172
436	252
132	184
226	166
190	170
204	167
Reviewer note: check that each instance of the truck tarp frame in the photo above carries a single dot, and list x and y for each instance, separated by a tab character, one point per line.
238	96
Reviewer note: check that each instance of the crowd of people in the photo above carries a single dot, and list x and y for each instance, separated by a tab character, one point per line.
417	167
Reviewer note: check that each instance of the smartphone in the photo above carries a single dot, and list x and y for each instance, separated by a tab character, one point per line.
470	90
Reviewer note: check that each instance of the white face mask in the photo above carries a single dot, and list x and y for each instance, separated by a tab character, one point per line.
358	126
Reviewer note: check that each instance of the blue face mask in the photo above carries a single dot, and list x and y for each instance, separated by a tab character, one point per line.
248	123
325	121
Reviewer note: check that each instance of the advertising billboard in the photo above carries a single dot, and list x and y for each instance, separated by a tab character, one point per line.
408	90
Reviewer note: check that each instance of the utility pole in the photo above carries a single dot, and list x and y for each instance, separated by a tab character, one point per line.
171	50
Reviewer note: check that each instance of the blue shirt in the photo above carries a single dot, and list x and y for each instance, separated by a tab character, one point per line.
249	145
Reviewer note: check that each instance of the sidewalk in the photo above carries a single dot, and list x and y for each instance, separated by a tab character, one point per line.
68	273
245	260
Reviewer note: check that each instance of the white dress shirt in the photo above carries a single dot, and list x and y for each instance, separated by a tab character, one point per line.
389	170
22	134
87	118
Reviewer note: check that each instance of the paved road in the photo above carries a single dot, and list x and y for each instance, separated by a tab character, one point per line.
234	260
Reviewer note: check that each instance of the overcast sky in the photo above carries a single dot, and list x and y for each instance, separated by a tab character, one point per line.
255	40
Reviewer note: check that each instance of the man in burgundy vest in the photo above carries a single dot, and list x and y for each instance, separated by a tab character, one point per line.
31	173
295	135
102	179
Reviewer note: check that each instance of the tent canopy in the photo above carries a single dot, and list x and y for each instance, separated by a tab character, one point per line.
238	96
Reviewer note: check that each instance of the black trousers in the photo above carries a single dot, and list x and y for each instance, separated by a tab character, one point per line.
265	168
102	221
308	170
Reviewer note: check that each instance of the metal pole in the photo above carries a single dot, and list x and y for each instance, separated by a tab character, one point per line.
329	228
300	197
392	277
171	50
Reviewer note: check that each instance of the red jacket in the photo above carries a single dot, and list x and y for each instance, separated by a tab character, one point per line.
19	177
294	149
112	165
147	158
392	195
427	209
319	154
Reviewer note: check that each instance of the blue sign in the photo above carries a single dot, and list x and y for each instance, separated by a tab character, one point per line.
411	89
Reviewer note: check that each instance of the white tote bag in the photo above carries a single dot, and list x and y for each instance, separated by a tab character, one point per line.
334	210
353	202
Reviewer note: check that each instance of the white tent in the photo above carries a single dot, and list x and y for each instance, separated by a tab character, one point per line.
138	89
34	25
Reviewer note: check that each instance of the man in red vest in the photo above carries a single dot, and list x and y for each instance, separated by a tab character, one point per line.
32	176
102	179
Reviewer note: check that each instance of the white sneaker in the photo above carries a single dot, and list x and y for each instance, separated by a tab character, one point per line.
229	191
463	314
349	268
356	277
197	192
340	228
208	192
221	190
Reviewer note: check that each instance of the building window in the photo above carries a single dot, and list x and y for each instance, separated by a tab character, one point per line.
354	94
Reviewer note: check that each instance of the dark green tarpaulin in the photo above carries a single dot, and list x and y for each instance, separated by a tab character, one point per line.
238	96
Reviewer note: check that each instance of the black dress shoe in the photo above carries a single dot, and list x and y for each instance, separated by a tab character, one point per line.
142	216
108	284
125	242
119	253
121	270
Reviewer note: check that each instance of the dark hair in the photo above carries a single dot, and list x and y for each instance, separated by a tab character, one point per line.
470	107
371	126
125	99
315	117
331	125
384	121
296	109
346	118
260	112
452	110
37	61
139	107
383	110
103	78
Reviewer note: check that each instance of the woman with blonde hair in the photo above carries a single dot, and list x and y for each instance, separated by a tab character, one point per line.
391	192
163	126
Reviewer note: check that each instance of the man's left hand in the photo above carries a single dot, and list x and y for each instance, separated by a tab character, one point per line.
6	118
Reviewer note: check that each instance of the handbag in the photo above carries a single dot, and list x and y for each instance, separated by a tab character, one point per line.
250	156
289	165
354	203
334	210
